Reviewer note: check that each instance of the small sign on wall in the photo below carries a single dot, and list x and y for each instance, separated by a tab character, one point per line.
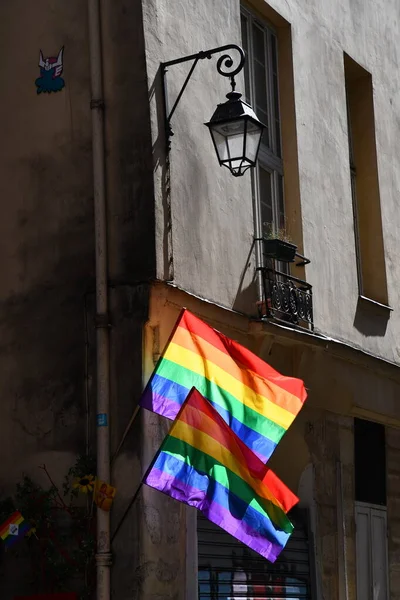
51	69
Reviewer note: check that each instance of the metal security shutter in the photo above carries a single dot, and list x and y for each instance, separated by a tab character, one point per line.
228	570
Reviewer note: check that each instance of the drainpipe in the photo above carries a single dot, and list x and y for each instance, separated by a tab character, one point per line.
103	554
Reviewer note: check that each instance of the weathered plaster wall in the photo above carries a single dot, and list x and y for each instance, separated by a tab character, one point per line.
46	234
207	250
47	249
321	32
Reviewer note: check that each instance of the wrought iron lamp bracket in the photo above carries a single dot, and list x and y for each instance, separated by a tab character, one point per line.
224	62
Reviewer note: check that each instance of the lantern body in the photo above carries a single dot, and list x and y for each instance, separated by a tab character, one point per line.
236	133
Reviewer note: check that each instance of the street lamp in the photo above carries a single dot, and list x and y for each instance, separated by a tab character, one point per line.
235	129
236	133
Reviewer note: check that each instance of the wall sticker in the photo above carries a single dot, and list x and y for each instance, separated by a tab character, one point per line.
51	68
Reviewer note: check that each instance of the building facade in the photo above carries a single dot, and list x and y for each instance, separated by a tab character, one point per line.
181	231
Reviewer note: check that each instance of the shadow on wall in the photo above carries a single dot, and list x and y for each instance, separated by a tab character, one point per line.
247	294
371	319
161	161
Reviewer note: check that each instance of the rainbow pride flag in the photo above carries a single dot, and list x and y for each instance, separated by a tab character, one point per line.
257	402
204	464
14	529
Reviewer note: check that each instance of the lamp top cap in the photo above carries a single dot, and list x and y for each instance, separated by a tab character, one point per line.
234	108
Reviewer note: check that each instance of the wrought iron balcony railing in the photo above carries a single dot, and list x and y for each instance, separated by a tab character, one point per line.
285	297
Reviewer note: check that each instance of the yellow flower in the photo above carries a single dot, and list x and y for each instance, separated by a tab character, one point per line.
84	484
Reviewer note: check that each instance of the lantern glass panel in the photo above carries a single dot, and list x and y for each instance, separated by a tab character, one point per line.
253	137
220	145
228	139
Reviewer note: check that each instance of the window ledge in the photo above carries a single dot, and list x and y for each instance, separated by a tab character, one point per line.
374	304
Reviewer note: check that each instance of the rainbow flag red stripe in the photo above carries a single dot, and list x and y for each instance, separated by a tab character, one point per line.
257	402
204	464
14	529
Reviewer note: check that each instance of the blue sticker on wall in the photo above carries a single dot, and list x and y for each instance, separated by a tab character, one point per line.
102	420
51	68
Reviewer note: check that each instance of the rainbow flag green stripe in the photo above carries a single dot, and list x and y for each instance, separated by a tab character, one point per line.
204	464
256	401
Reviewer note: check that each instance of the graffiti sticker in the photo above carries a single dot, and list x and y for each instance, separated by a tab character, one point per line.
51	68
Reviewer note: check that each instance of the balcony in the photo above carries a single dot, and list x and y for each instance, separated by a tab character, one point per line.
286	298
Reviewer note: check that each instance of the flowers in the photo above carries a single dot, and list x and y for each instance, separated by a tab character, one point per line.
31	532
84	484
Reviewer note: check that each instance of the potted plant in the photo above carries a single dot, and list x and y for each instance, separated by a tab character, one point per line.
278	245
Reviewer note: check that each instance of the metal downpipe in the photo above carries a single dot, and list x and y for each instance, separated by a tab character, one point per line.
103	554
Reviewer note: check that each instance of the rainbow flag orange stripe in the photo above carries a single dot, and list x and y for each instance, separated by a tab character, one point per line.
256	401
204	464
13	529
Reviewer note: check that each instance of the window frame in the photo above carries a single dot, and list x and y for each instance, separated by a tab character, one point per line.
373	434
270	154
365	189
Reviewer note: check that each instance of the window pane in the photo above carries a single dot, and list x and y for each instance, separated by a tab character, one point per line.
277	124
363	546
259	45
266	200
281	204
370	462
261	87
260	80
245	45
379	556
261	103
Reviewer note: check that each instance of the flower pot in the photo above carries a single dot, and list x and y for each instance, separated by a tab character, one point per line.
279	249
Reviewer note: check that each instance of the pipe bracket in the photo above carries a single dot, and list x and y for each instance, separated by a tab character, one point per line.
102	321
104	559
97	104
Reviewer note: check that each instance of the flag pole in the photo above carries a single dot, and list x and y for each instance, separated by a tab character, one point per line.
138	407
136	494
127	429
128	508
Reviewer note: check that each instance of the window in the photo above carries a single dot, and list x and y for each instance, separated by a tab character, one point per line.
365	183
370	462
284	294
262	92
370	510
